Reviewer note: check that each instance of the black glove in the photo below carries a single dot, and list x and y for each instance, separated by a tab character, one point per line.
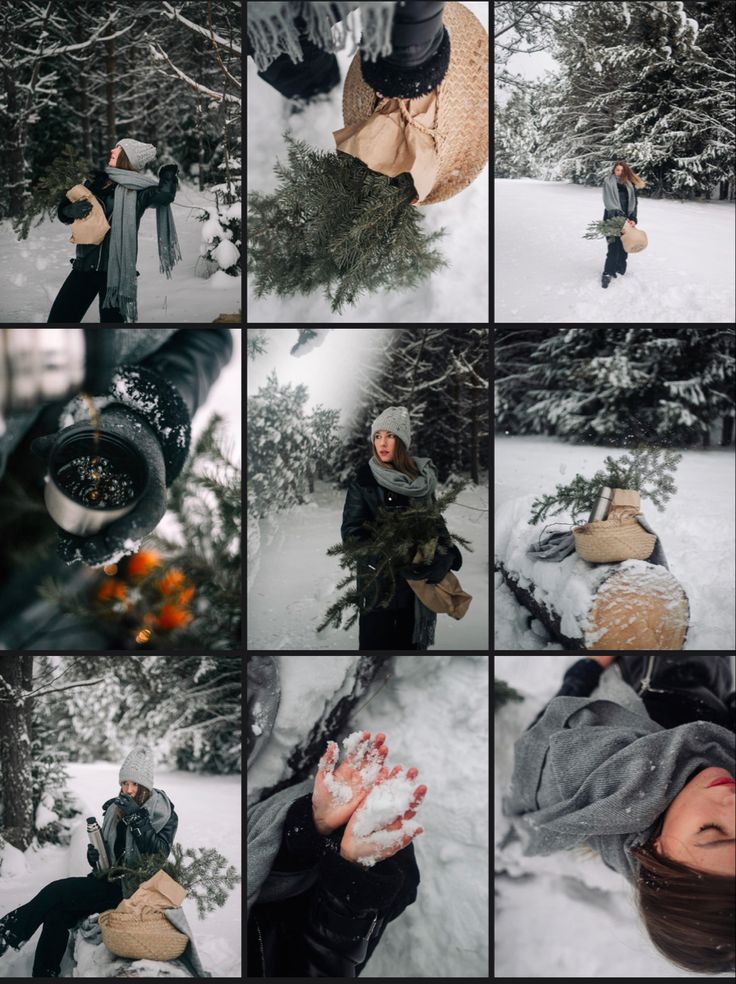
127	804
93	855
124	535
77	210
166	168
432	572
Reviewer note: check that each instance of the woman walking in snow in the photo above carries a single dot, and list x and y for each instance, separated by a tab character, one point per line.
620	197
392	479
140	820
639	763
108	268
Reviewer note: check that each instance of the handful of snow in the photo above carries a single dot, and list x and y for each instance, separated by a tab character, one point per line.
385	802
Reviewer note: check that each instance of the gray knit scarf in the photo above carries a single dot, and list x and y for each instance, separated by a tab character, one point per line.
422	489
591	770
611	201
122	289
272	30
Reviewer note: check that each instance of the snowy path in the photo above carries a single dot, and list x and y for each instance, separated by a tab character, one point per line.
296	581
32	271
696	528
209	810
546	273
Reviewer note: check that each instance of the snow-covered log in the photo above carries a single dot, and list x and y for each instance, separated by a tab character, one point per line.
629	605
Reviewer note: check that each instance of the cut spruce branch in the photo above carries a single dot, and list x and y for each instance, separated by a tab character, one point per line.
609	228
647	469
395	537
334	225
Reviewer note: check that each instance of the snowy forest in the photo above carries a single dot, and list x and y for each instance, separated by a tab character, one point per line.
633	430
651	83
592	99
67	724
312	395
75	79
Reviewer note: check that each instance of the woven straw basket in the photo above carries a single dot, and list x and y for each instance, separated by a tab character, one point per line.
606	541
461	126
147	937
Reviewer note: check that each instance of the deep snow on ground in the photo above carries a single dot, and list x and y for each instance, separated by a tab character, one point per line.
209	811
457	293
434	712
32	271
696	530
292	582
563	915
546	273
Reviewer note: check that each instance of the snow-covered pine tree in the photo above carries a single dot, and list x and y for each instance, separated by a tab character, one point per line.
279	446
324	431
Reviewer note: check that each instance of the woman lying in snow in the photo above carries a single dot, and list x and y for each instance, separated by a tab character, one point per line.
643	771
328	870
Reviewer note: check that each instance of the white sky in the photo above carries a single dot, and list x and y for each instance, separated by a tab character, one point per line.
329	371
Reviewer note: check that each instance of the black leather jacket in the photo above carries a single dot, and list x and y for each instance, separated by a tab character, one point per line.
364	498
91	256
332	926
146	839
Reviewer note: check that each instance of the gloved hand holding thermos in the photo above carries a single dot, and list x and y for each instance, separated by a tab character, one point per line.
96	853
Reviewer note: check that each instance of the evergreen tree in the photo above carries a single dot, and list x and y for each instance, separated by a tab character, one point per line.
335	225
279	446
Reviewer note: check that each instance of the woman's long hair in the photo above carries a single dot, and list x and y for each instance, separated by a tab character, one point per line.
629	175
142	794
402	462
688	914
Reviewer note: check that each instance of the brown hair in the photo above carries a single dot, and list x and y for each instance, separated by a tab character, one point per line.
629	175
688	914
122	162
402	462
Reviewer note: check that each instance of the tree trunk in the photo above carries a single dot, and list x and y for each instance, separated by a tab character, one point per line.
630	610
16	674
474	442
110	91
727	431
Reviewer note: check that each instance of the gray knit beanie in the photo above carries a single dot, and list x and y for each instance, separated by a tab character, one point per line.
396	420
139	154
138	767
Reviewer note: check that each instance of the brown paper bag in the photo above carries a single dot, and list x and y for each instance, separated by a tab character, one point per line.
159	892
445	598
93	228
634	240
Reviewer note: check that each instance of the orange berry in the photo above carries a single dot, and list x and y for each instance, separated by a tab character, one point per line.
173	617
143	563
111	589
171	582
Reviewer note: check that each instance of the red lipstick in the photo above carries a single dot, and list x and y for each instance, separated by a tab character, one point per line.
725	781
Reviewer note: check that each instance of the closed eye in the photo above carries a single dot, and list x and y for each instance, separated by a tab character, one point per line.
715	843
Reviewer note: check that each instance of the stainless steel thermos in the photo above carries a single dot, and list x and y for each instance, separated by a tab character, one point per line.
95	838
602	505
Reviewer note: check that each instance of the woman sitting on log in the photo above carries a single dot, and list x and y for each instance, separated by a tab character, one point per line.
642	771
140	820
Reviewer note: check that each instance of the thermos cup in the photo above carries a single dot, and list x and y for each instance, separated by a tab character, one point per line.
602	505
95	838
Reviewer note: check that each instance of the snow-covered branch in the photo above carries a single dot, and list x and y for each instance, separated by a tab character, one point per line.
223	42
66	686
65	48
161	55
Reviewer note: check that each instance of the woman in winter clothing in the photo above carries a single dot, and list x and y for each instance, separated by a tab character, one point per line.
620	197
140	820
392	480
108	269
319	895
639	763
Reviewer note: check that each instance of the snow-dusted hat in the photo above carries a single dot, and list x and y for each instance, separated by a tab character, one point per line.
139	154
396	420
138	766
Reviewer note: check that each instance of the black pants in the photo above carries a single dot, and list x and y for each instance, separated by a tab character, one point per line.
615	257
384	629
76	294
60	906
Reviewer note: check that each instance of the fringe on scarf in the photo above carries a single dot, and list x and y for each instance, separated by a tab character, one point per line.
425	621
272	29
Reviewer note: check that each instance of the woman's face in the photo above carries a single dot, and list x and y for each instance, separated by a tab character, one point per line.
131	788
700	804
114	154
618	170
385	445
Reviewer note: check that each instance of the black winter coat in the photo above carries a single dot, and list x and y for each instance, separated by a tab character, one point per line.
333	926
364	499
91	256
